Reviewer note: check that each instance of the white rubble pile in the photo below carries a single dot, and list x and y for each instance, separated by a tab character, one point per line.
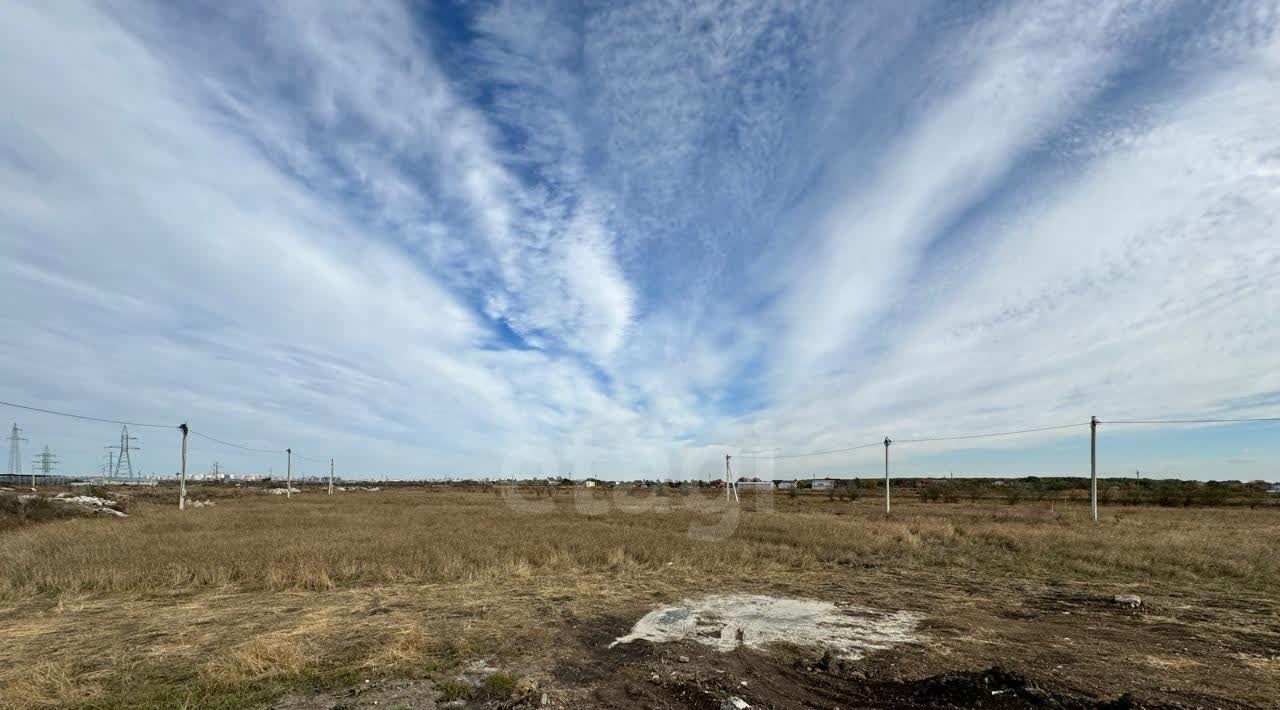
281	491
86	500
105	506
731	620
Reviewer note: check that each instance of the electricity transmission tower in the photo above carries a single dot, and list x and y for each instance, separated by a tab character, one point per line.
123	459
108	466
44	463
15	451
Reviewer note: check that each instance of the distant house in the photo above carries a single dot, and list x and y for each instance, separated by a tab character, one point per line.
1274	489
784	485
824	484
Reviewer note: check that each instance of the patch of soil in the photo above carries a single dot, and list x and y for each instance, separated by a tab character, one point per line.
690	675
379	694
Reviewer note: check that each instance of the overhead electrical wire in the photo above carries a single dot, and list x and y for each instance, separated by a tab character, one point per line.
815	453
983	436
922	440
235	445
919	441
87	418
1189	421
145	424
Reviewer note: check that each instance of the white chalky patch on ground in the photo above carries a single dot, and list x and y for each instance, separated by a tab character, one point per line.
728	621
87	500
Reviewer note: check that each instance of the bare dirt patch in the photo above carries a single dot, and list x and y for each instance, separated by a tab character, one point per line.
381	694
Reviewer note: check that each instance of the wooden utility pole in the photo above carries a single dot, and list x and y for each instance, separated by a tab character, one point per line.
330	476
1093	466
288	486
886	474
182	477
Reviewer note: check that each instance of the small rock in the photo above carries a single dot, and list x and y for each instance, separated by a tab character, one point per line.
735	703
545	699
1133	601
683	659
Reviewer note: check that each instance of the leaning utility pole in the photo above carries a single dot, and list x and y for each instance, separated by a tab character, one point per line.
45	463
729	483
15	451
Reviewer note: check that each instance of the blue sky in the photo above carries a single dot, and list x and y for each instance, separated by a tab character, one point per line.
620	239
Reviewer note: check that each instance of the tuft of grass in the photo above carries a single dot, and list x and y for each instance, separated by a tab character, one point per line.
454	690
499	686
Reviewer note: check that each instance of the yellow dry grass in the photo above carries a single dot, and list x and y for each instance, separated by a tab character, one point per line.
231	605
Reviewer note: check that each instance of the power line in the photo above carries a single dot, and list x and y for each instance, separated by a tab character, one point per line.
814	453
919	441
142	424
983	436
1190	421
1019	431
86	418
235	445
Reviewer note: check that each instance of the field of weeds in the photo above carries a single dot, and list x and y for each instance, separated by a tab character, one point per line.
262	599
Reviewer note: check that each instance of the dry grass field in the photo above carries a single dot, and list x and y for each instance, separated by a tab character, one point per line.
260	600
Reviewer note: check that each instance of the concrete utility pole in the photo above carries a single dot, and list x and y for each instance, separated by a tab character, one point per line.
887	441
1093	466
330	476
288	486
729	483
182	480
